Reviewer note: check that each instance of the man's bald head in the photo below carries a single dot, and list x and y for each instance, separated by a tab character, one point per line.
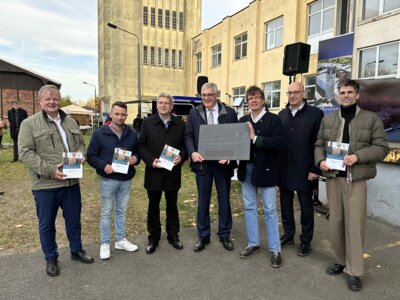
295	94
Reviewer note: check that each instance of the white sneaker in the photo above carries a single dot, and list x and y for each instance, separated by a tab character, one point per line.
124	244
105	251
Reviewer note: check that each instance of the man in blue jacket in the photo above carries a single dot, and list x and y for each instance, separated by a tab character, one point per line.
211	111
115	187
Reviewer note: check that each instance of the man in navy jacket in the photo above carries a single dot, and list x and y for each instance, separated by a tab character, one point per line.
297	171
115	187
210	111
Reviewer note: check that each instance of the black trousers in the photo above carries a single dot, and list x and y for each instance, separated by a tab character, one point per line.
15	139
153	214
307	214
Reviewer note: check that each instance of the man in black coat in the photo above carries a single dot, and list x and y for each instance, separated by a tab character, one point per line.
210	111
297	171
157	131
15	117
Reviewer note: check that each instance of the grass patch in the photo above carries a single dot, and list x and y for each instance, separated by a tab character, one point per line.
18	220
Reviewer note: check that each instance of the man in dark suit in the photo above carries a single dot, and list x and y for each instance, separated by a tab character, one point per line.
211	111
15	117
157	131
296	166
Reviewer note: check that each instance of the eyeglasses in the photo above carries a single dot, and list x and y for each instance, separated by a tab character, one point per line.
295	93
207	95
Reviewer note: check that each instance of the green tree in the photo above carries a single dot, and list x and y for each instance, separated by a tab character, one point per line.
65	101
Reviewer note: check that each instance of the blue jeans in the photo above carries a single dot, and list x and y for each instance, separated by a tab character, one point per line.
250	199
114	193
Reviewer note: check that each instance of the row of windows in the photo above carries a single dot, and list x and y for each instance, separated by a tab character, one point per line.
272	91
168	60
374	8
320	14
164	18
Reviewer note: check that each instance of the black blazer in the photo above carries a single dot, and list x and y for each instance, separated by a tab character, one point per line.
152	139
297	159
264	153
22	115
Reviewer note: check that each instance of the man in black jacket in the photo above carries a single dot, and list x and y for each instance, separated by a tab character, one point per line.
297	171
157	131
15	117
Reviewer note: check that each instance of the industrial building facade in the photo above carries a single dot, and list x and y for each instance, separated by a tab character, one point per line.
243	49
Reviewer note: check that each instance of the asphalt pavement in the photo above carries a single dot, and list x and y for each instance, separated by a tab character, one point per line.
211	274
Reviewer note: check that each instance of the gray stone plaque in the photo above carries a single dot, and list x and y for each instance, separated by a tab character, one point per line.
225	141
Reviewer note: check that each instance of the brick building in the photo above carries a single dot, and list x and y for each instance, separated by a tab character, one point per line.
19	84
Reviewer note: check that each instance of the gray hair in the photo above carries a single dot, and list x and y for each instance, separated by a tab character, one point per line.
210	85
166	95
47	88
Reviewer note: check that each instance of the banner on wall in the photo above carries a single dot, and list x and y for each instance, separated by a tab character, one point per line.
334	64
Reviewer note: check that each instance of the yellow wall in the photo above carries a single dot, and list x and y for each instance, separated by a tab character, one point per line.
260	65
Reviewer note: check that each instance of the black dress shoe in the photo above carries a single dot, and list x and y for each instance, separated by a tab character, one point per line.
227	243
354	283
286	241
304	249
151	247
175	242
14	160
82	257
52	268
201	244
249	251
276	259
335	269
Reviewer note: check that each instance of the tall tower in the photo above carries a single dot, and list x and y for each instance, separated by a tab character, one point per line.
165	29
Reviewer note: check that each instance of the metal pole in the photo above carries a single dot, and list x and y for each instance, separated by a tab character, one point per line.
113	26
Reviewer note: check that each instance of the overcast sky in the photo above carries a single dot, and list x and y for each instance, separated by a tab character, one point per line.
58	39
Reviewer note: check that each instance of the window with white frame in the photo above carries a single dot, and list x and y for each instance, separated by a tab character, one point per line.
181	21
166	57
198	62
373	8
173	54
272	91
145	59
241	46
273	33
174	20
320	22
160	51
380	61
152	56
167	19
145	15
180	59
216	55
153	17
239	92
309	86
160	18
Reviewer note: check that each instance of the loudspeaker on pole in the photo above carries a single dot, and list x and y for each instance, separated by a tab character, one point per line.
200	81
296	59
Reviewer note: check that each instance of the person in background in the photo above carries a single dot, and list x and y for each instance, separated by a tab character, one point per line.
15	117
